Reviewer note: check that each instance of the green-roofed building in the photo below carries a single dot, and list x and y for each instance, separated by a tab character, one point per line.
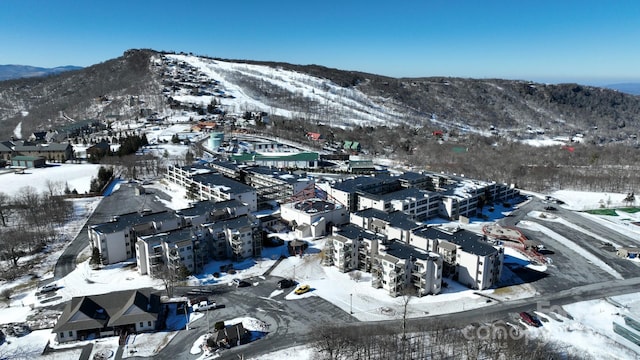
28	161
353	146
302	160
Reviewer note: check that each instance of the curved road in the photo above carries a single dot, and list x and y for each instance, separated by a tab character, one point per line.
121	201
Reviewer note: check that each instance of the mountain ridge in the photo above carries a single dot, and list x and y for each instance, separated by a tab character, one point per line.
14	71
324	95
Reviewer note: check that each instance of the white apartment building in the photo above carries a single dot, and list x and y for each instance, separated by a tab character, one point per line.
170	250
116	240
472	261
396	267
236	239
204	184
395	225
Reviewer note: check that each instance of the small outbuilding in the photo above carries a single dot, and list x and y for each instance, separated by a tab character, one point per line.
28	161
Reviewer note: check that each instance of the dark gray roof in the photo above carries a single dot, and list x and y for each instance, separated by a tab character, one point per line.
213	179
208	206
170	236
353	185
43	147
128	220
351	231
404	251
411	176
236	223
401	194
111	309
396	219
469	242
6	146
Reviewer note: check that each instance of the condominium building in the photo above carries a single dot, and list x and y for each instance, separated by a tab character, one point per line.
202	183
395	225
170	251
467	257
282	186
116	240
189	249
208	211
236	239
395	267
401	269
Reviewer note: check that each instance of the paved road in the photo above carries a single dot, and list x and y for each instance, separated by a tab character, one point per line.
568	268
120	201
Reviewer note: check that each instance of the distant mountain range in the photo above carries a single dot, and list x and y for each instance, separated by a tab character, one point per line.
8	72
629	88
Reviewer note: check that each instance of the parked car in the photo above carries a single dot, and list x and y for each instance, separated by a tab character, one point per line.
529	320
302	289
550	208
285	283
204	306
48	288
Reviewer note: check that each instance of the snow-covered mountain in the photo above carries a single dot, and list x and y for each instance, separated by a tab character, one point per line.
250	87
144	82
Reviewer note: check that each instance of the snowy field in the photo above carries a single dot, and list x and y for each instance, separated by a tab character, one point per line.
75	176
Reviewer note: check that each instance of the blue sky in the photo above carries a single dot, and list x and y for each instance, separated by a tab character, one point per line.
591	42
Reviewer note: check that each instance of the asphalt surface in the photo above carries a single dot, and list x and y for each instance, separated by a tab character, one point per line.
121	201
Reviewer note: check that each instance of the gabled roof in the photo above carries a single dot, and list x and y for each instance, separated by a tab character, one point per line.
468	241
106	310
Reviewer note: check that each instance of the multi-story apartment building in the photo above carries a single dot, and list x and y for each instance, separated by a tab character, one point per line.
236	239
202	183
273	184
462	197
202	212
395	266
402	269
116	240
171	251
345	191
395	225
191	248
470	260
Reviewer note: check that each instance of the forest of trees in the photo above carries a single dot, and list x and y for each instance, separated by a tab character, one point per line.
584	167
29	222
387	342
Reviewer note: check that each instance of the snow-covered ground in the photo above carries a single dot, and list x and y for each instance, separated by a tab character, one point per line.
366	303
75	176
356	107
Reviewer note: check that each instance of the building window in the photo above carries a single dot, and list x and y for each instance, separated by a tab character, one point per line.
62	334
141	324
149	323
70	333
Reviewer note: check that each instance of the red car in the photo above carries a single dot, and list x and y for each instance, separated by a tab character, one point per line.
529	320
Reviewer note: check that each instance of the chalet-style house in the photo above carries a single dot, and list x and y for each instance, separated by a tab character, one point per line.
111	314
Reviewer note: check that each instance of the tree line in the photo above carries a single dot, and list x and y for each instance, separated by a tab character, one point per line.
29	222
388	342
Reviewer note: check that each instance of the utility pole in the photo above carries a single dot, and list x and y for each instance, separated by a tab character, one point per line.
350	303
186	314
